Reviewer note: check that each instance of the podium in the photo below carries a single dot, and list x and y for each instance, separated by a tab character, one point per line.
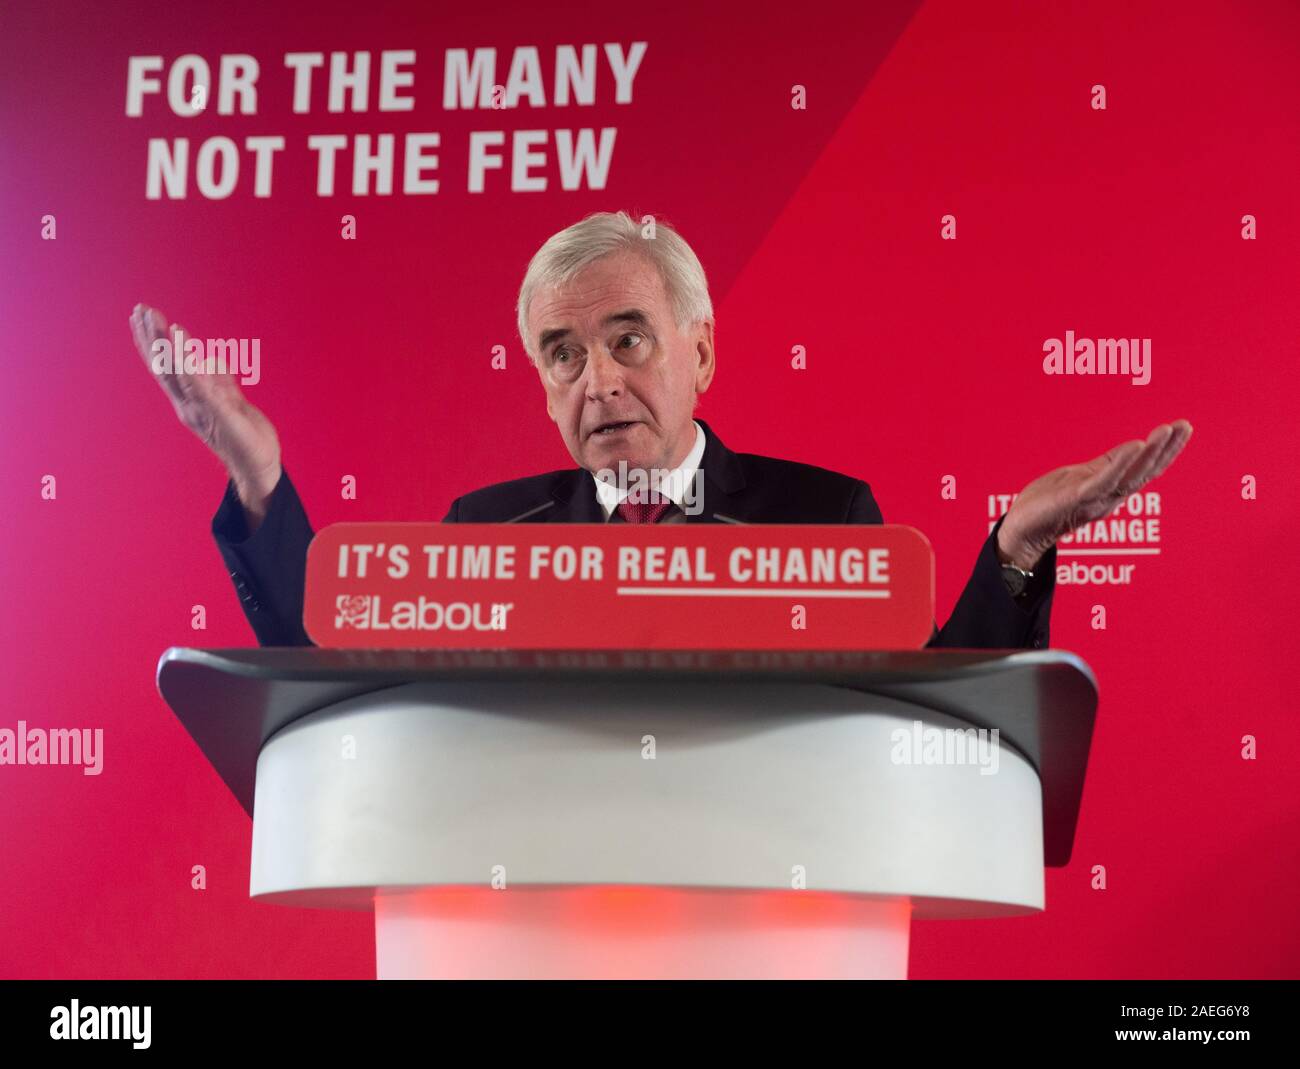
645	814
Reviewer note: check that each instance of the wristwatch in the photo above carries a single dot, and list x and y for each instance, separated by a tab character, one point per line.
1017	579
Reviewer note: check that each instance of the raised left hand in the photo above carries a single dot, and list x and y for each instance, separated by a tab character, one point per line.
1056	503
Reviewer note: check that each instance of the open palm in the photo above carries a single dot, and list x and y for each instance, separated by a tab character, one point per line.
1055	504
213	407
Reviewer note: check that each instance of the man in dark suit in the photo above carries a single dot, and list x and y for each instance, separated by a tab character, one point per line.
625	412
268	565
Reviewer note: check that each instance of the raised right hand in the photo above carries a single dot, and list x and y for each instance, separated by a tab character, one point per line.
215	409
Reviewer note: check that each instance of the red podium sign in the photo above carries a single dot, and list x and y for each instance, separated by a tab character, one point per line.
619	586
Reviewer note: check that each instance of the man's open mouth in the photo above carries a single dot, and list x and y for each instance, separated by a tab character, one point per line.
614	427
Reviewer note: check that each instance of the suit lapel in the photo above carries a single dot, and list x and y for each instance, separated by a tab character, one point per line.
575	500
723	481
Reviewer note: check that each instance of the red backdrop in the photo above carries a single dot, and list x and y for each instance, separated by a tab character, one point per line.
819	227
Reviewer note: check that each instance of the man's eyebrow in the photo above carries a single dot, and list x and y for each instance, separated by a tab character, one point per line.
629	315
552	335
632	315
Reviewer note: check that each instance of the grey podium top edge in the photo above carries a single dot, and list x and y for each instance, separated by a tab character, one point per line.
1043	702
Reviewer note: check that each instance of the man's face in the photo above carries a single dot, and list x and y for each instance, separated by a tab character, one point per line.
620	377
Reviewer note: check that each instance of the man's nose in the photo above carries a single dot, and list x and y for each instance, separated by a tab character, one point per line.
604	376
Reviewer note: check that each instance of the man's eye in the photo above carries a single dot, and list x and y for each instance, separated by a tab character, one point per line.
560	355
625	337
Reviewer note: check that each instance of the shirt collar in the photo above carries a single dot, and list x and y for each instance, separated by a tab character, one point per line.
674	485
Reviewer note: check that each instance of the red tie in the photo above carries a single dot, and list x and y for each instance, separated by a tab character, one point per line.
641	512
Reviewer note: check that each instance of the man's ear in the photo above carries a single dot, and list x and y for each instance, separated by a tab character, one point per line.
706	355
550	411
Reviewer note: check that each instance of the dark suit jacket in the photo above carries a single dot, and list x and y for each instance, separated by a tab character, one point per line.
268	567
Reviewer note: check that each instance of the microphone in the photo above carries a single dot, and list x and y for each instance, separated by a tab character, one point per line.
531	512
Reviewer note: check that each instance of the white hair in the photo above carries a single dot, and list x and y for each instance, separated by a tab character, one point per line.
602	233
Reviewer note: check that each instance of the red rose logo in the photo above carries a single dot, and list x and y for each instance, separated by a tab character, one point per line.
353	610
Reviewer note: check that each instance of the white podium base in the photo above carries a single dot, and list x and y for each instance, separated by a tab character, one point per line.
612	933
648	830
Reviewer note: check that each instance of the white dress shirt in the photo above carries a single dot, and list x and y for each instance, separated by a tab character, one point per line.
674	485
